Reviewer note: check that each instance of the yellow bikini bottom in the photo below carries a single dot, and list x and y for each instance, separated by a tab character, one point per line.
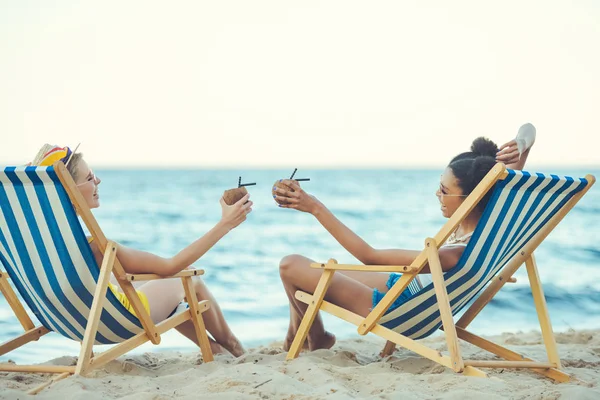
125	301
123	298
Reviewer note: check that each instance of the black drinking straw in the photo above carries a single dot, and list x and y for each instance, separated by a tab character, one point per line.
240	184
298	180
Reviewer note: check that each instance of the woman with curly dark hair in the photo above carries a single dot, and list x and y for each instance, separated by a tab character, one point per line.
360	291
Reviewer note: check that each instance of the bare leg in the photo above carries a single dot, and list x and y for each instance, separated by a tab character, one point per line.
344	291
214	346
297	308
296	314
374	280
371	279
215	322
164	296
295	320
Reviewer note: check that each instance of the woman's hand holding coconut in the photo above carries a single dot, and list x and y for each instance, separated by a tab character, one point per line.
235	214
289	194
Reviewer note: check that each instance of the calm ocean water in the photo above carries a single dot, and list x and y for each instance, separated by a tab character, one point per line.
163	211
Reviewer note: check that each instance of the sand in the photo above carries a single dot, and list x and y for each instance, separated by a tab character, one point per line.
351	369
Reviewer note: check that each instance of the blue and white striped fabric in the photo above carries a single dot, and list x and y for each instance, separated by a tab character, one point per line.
45	251
519	207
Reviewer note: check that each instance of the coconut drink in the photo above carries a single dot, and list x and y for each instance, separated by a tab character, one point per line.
234	195
280	185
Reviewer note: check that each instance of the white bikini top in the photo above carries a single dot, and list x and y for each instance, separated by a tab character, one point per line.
454	241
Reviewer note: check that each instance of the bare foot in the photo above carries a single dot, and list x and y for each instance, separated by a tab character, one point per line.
388	350
215	347
384	354
234	347
325	341
287	343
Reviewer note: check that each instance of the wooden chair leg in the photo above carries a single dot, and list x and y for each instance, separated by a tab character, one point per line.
196	316
91	352
379	330
96	310
14	303
508	354
122	348
43	386
29	336
542	311
443	301
310	314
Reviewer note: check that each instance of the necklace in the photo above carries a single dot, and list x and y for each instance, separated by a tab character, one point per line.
453	239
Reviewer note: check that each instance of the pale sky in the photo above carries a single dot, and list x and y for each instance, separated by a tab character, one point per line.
298	83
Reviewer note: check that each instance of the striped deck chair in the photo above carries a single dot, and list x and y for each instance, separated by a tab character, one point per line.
522	211
49	261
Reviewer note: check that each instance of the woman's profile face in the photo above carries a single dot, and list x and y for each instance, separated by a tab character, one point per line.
87	183
449	193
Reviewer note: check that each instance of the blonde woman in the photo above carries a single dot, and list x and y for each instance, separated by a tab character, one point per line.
161	297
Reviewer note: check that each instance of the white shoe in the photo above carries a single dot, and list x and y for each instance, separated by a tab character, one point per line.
525	138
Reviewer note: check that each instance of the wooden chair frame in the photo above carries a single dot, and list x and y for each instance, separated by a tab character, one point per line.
453	331
87	361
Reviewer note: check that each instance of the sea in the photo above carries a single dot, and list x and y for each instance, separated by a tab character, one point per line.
163	211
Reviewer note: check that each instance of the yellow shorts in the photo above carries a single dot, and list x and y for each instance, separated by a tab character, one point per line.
125	301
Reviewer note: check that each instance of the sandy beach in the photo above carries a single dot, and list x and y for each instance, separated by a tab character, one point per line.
351	369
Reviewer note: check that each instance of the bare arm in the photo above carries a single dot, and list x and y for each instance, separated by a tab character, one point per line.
509	155
449	257
354	244
138	262
509	152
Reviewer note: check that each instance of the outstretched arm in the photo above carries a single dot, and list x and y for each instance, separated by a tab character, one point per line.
139	262
302	201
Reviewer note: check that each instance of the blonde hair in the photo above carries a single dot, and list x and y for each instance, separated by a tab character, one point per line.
74	164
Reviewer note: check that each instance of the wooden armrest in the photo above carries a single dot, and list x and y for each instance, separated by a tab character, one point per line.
4	274
405	269
151	277
512	279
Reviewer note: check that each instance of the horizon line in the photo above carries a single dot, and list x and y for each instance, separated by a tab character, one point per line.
292	166
316	167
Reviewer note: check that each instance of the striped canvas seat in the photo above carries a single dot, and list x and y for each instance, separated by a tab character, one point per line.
46	253
520	205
